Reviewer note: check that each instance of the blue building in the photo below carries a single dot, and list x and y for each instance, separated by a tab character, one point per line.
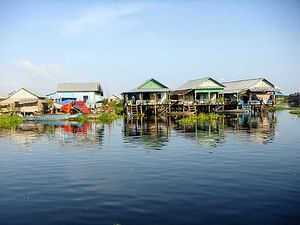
90	92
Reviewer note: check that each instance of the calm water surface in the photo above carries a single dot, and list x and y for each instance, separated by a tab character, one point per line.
238	171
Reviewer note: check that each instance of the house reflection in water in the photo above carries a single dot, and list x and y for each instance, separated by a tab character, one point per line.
74	133
260	129
25	134
151	133
208	134
80	133
243	127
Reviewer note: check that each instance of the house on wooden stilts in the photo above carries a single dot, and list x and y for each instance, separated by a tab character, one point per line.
151	97
200	95
251	94
24	102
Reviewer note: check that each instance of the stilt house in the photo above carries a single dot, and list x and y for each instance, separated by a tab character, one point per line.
23	101
200	91
258	91
149	97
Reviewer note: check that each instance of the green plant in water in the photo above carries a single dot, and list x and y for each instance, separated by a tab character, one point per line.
279	107
107	117
10	121
296	112
201	117
81	119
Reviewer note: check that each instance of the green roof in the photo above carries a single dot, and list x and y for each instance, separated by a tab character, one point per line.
150	85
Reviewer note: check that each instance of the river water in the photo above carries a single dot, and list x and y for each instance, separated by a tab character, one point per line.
240	170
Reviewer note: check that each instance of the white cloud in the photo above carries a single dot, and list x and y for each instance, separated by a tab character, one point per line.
99	17
38	70
42	78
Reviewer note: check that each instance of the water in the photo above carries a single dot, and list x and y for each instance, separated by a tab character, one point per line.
238	171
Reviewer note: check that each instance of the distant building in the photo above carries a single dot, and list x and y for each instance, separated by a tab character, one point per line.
252	91
294	99
23	101
113	98
90	92
279	95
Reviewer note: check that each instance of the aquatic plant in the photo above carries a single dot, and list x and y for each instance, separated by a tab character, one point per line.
107	117
81	119
296	112
10	121
280	107
201	117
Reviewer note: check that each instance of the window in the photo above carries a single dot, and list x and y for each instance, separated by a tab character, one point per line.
85	98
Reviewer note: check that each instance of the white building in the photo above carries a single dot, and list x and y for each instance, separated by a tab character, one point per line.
90	92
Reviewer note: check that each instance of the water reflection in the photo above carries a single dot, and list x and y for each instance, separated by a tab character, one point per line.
62	132
152	133
208	134
260	129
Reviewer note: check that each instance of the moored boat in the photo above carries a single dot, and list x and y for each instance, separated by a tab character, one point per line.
67	116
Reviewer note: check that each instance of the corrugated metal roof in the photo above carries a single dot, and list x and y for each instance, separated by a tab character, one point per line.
31	92
243	85
194	84
148	90
78	87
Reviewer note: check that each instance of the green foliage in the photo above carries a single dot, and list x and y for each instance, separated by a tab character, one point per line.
50	103
81	119
117	106
279	107
201	117
107	117
10	121
296	112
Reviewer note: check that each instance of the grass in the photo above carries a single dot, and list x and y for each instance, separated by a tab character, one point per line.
107	117
201	117
10	121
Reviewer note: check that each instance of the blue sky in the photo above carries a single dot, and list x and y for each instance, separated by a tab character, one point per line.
123	43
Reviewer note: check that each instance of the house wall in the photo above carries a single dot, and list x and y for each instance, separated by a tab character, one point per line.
146	96
22	94
210	84
93	97
262	83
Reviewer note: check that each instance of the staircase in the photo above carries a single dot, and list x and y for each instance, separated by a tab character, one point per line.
134	110
192	109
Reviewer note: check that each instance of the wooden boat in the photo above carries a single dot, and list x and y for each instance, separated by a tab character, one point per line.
67	116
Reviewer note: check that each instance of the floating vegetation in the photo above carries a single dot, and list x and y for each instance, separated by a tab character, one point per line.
296	112
10	121
280	107
107	117
201	117
81	119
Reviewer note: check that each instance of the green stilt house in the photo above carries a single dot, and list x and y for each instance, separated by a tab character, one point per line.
200	95
200	91
150	97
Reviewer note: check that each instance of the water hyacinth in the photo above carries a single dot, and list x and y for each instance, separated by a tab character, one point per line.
107	117
200	117
296	112
10	121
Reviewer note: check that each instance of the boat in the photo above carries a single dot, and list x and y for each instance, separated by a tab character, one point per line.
66	116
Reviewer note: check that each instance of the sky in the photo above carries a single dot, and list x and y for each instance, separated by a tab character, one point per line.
123	43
